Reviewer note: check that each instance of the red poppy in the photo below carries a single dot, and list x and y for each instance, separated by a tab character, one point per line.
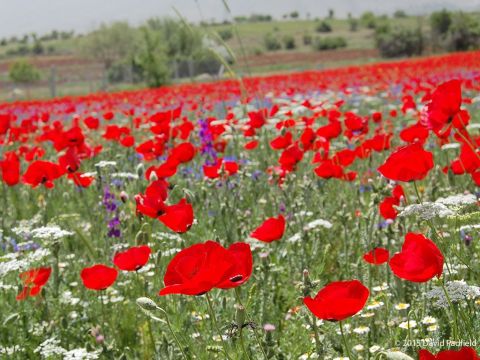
33	281
10	168
272	229
242	269
178	217
92	123
202	267
132	259
98	277
407	163
183	153
465	353
444	108
81	180
281	141
414	133
42	172
152	204
338	300
419	261
251	145
377	256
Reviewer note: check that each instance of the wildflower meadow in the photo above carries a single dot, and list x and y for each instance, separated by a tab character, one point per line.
325	214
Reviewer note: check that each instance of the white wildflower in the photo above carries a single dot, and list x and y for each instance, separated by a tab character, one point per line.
80	354
361	330
458	291
103	164
426	210
50	232
50	348
458	200
318	223
410	324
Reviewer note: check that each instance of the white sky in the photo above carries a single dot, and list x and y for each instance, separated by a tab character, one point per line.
18	17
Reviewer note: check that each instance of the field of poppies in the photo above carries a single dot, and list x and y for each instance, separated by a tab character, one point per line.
318	215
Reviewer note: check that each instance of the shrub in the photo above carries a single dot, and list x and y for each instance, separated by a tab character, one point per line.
353	23
271	42
307	39
440	22
23	72
225	34
399	42
368	20
399	14
289	42
329	43
323	27
463	33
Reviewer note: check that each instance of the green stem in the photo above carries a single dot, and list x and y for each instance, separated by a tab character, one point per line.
214	319
345	343
174	336
455	328
237	295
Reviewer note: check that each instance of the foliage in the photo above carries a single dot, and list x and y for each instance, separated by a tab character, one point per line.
368	19
463	33
307	39
329	43
110	43
271	42
23	72
323	27
399	42
152	59
225	34
289	42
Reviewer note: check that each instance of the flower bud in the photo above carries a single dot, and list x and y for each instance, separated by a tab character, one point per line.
240	315
147	304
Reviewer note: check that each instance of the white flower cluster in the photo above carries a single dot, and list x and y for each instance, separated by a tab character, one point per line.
50	232
24	227
80	354
458	200
125	175
318	223
51	347
442	207
457	290
103	164
312	225
11	350
426	210
15	262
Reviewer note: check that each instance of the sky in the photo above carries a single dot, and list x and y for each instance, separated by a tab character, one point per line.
18	17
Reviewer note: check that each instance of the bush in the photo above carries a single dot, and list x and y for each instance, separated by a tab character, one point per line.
353	23
440	22
399	42
289	42
23	72
225	34
329	43
463	33
323	27
368	20
271	42
399	14
307	39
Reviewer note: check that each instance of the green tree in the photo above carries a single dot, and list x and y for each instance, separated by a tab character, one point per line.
152	59
110	43
368	19
22	72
